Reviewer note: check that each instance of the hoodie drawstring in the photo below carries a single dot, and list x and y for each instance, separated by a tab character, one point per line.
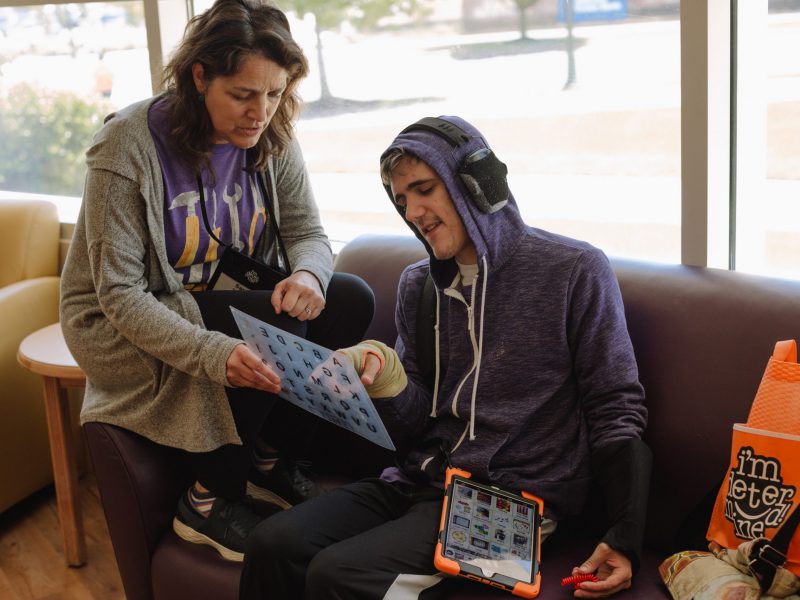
480	351
477	348
436	344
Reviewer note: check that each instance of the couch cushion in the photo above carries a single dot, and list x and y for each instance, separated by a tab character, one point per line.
379	260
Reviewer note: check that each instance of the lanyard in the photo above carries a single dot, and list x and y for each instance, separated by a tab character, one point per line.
267	206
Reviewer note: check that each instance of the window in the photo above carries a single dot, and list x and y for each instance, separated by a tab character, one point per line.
65	66
767	191
593	154
602	141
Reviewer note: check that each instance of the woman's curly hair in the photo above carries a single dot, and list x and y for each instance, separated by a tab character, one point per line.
221	39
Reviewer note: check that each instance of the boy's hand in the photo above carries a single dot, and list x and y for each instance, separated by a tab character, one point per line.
378	367
613	570
372	369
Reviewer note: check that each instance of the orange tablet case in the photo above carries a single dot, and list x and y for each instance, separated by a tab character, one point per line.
462	569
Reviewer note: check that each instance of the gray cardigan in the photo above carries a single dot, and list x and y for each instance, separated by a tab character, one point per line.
151	366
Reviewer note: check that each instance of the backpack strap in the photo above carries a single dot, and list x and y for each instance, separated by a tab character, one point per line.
767	556
426	339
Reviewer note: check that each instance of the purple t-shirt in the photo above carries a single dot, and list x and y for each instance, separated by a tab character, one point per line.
234	204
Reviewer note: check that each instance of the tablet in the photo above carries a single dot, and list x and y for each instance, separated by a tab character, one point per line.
490	535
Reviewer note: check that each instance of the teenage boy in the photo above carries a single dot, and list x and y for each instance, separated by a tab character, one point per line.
535	388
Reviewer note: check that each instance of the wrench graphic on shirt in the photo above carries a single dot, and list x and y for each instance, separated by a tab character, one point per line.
232	201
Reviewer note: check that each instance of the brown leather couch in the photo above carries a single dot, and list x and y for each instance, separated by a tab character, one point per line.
702	339
28	301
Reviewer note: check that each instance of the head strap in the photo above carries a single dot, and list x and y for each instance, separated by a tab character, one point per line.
451	132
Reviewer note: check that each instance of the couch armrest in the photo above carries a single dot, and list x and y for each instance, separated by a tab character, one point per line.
30	236
28	305
25	307
139	484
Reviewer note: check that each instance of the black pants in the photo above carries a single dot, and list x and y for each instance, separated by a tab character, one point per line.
366	540
349	306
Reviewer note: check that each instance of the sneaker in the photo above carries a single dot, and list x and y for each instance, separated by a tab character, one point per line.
225	528
288	483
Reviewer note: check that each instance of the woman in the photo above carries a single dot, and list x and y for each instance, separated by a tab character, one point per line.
158	348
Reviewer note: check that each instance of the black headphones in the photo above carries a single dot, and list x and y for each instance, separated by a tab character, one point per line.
483	174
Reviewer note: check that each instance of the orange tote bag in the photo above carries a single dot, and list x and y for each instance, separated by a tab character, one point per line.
762	487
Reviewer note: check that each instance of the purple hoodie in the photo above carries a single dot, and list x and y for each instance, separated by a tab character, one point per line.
549	375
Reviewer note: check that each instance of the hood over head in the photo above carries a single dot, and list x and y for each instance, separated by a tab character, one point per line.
444	148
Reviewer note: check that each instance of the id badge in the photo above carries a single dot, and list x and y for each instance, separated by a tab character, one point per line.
237	271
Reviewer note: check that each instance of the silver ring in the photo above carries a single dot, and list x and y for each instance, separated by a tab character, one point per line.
308	310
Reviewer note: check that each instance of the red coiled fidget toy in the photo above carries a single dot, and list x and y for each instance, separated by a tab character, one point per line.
578	579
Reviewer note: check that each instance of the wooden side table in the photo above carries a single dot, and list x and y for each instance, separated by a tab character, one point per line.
44	352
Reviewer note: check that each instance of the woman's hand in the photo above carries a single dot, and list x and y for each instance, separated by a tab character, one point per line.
299	295
246	369
613	570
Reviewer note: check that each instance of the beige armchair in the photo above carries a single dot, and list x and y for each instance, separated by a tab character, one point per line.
28	301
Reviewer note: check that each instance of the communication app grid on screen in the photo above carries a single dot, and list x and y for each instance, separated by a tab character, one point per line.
491	531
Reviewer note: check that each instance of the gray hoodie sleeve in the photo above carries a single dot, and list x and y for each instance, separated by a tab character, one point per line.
120	260
300	226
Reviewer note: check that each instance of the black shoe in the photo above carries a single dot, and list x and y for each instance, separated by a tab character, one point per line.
225	528
288	483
